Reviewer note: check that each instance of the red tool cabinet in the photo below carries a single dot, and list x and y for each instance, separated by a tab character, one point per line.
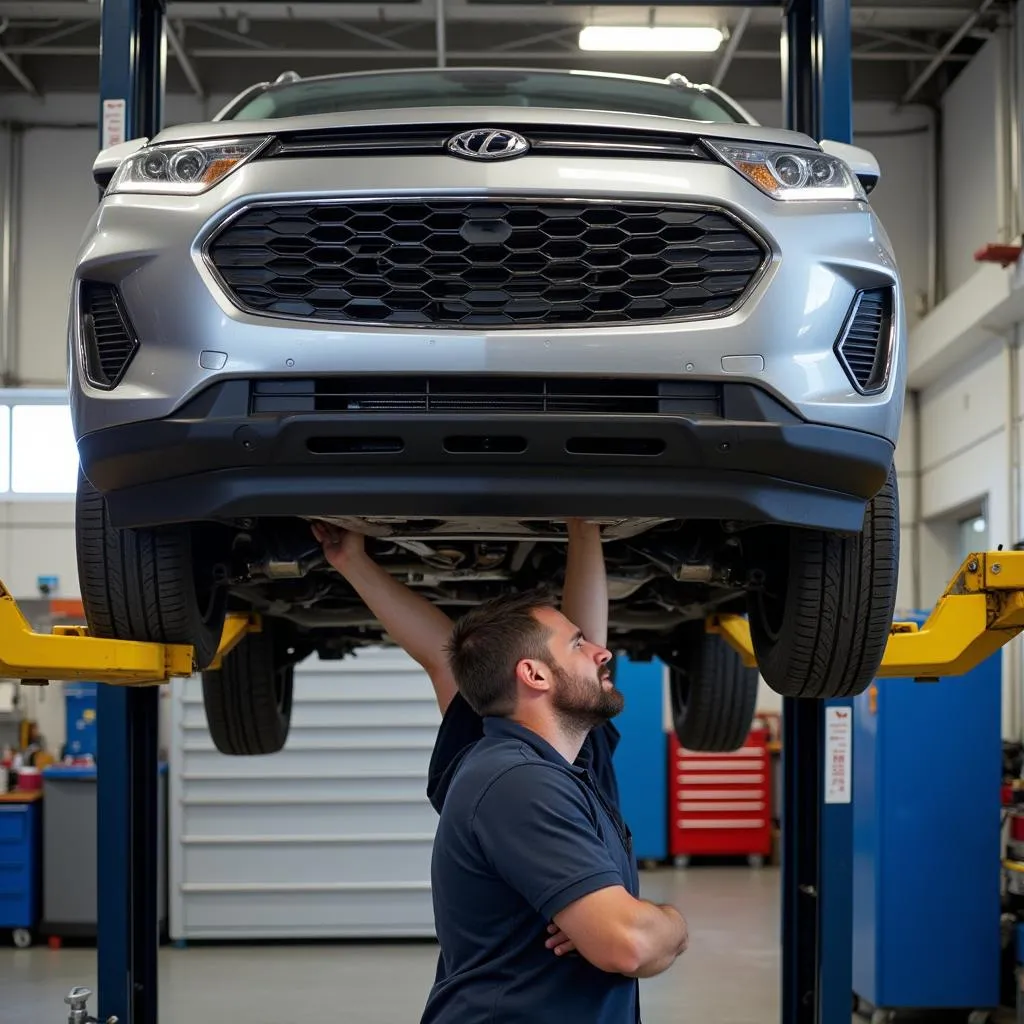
720	804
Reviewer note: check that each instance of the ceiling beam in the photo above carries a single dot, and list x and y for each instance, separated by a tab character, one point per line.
903	16
479	54
735	37
936	62
188	69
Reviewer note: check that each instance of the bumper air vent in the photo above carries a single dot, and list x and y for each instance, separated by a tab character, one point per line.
864	348
108	339
485	395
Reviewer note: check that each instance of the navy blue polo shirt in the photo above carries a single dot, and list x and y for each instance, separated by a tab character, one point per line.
522	834
461	727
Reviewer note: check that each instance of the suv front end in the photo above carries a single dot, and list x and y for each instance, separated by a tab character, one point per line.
478	318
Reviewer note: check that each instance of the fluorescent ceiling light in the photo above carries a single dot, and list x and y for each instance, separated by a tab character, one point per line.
633	38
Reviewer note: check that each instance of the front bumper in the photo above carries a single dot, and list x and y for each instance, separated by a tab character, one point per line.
216	459
191	335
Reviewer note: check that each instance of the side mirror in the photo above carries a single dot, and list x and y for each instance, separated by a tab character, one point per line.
105	166
861	162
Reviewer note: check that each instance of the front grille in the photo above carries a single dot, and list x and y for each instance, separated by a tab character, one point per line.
417	140
412	394
864	345
477	263
108	338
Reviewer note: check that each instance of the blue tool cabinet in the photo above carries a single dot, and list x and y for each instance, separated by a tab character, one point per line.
20	817
927	768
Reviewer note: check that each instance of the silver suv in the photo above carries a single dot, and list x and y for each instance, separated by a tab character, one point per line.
451	308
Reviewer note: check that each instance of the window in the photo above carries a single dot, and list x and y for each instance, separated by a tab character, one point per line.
973	535
474	87
38	455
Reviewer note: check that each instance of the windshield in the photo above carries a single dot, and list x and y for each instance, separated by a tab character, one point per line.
475	88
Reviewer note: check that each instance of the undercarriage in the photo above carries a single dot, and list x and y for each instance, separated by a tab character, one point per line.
661	573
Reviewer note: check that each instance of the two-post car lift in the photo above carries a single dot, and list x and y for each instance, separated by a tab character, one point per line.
982	610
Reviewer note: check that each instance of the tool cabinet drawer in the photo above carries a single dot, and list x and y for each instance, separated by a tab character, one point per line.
721	802
15	825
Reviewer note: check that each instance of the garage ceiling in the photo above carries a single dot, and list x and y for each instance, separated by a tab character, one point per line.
905	50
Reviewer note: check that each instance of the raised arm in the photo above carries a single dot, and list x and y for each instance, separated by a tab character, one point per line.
585	595
418	627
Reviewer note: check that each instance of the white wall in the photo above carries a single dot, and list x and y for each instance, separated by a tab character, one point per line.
974	161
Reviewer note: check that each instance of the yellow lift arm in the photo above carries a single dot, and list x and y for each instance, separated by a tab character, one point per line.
69	653
981	610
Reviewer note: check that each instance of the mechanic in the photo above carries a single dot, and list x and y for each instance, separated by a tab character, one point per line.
529	846
423	631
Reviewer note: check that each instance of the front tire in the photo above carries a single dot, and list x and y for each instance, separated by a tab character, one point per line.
146	584
821	623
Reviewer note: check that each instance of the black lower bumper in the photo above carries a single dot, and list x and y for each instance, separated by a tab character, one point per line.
213	460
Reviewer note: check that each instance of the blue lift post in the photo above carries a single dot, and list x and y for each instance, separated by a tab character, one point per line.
132	69
817	836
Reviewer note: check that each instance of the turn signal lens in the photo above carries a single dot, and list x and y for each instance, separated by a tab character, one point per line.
792	174
183	169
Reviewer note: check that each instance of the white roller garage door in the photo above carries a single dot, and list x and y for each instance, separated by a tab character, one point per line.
331	837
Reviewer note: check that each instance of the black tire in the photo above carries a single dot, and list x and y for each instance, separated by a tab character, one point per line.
248	699
713	694
822	622
144	584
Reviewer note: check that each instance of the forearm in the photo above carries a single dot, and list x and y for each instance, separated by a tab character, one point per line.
660	937
585	594
416	625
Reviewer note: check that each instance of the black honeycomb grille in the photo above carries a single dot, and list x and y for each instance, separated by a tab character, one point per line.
108	338
864	347
481	263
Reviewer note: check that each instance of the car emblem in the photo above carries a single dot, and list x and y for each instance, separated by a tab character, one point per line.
488	144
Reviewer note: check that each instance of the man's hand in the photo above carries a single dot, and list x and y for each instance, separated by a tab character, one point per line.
341	547
559	943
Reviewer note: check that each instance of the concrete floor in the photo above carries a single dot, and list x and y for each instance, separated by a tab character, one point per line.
729	975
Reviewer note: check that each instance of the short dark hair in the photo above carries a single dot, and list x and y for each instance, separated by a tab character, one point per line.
489	641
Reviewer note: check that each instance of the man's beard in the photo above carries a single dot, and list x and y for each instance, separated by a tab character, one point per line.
582	702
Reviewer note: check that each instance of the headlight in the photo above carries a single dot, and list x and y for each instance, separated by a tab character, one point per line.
182	169
792	173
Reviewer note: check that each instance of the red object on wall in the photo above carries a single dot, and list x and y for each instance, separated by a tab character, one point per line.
998	252
720	804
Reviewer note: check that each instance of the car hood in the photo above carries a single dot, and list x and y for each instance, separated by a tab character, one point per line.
460	118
